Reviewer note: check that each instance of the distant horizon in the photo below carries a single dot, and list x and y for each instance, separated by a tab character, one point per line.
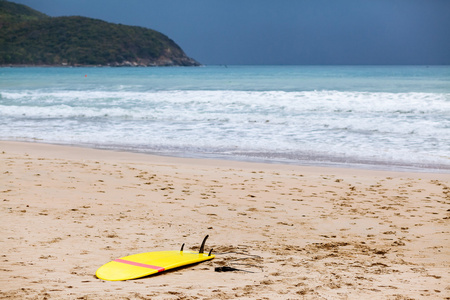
329	65
262	32
223	65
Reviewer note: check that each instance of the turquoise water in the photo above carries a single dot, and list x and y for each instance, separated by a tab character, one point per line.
244	78
390	117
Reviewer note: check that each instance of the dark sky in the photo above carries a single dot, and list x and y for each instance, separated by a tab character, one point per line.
284	31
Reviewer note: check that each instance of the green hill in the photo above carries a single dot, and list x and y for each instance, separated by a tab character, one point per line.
11	13
28	37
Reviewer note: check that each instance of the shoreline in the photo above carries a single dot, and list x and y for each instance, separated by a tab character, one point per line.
306	232
253	159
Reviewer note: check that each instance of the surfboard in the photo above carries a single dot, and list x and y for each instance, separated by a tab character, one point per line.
149	263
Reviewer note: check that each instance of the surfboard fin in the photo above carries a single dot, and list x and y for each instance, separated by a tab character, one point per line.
202	247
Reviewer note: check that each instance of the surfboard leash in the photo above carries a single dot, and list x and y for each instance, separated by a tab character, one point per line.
230	264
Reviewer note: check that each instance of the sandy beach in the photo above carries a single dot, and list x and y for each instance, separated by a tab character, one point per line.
295	232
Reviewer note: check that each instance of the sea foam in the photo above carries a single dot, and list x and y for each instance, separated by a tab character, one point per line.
296	126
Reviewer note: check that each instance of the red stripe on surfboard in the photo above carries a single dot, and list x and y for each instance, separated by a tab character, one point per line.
159	269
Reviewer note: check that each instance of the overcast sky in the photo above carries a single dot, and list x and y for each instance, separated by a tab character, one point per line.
283	31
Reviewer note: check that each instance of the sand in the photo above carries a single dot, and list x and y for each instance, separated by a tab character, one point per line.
298	232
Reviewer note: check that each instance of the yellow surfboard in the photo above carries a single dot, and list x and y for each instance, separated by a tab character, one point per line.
145	264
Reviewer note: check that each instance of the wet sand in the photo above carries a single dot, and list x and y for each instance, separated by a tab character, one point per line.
299	232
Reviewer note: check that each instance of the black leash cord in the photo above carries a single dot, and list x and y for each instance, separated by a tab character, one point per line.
233	262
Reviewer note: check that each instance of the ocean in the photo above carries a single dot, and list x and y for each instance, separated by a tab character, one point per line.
376	117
